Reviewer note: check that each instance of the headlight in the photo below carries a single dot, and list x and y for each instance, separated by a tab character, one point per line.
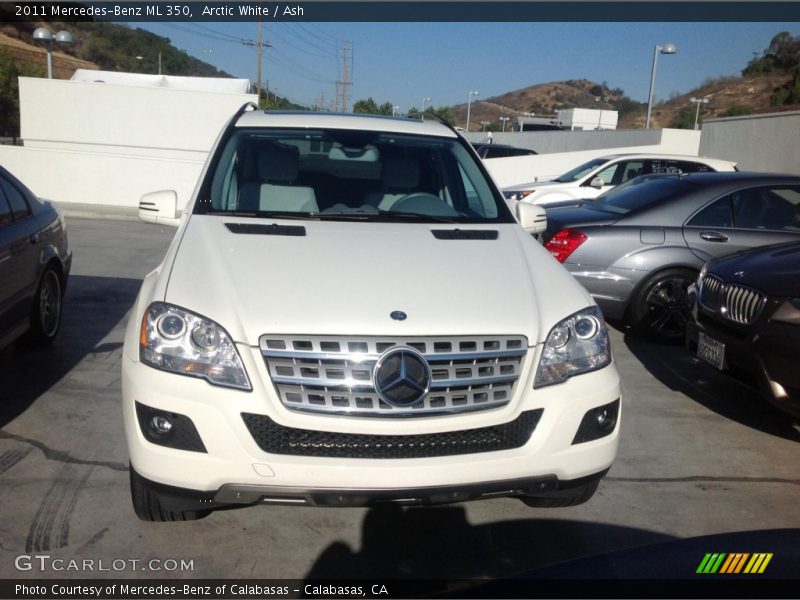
176	340
788	312
578	344
517	194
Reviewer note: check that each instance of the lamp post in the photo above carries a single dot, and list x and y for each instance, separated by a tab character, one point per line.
469	105
665	49
504	119
484	124
395	110
425	99
42	34
698	101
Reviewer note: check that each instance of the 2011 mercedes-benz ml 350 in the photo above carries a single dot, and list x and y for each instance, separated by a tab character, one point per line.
349	314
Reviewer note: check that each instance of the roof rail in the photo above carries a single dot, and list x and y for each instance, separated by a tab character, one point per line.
437	116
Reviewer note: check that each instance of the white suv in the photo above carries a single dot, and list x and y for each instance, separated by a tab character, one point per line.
350	314
594	177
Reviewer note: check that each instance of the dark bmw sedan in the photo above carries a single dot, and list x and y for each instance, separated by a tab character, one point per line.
638	247
35	261
746	310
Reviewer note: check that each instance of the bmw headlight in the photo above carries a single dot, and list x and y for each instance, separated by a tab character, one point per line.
176	340
578	344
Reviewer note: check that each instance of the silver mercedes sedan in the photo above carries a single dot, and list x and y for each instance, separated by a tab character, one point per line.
637	247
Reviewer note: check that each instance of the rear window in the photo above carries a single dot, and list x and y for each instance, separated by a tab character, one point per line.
639	193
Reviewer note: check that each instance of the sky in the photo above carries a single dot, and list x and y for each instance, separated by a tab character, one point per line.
401	63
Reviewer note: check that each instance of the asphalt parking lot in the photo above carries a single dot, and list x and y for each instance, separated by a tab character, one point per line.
699	455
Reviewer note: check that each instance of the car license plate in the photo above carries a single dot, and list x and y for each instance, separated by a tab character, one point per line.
711	351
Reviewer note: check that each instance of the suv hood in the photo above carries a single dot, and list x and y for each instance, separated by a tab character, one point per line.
345	278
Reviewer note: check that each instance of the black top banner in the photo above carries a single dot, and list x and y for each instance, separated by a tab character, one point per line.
430	11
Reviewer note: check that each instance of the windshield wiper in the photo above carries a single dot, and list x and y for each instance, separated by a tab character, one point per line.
416	216
263	214
382	214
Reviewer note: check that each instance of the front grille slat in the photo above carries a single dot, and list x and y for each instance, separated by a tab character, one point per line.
333	374
273	438
737	303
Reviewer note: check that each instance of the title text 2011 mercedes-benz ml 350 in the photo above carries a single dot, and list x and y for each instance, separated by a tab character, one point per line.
349	314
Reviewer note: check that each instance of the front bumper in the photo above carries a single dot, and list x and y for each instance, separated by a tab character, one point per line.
178	499
234	458
764	360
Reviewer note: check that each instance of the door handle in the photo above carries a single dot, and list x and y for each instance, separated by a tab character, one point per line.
713	236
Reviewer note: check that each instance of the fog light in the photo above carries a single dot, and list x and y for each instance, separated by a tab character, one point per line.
597	422
161	424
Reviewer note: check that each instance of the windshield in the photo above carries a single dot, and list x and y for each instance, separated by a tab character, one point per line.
349	174
639	193
581	171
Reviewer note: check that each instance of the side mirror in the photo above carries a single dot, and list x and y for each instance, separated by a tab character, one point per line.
597	183
160	207
532	217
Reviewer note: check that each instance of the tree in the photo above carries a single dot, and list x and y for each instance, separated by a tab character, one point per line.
684	119
782	54
10	72
370	107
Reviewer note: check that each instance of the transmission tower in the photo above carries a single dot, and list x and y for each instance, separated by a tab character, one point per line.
343	83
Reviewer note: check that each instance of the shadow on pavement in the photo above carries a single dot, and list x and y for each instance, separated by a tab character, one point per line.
676	368
93	306
439	543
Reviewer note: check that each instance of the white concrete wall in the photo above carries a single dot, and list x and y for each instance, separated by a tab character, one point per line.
768	143
100	143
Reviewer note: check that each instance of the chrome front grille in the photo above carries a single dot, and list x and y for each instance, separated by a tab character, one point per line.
734	302
332	374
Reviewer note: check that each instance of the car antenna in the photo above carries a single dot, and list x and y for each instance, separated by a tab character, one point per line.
429	113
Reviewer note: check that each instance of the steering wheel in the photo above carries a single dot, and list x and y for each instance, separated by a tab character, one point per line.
424	204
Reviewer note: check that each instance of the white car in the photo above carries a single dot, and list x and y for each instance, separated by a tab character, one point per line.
349	313
594	177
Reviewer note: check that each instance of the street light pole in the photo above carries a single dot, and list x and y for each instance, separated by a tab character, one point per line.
42	34
469	105
424	100
665	49
698	101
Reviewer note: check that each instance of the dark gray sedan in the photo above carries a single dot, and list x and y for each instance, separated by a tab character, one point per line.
637	247
35	261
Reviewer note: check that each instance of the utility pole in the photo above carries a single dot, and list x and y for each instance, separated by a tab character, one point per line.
345	80
259	51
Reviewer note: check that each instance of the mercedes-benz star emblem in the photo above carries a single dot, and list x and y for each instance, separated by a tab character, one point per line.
402	377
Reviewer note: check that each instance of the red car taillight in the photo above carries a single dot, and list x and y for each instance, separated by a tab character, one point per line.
564	243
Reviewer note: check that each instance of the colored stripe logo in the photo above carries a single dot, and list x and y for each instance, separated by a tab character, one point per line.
734	563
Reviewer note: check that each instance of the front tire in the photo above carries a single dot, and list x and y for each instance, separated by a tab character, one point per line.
659	309
45	317
148	506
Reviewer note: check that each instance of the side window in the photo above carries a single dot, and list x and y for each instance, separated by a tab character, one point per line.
631	169
19	207
692	167
716	214
607	174
767	208
663	165
5	211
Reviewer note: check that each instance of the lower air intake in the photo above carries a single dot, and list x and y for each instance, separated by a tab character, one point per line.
277	439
